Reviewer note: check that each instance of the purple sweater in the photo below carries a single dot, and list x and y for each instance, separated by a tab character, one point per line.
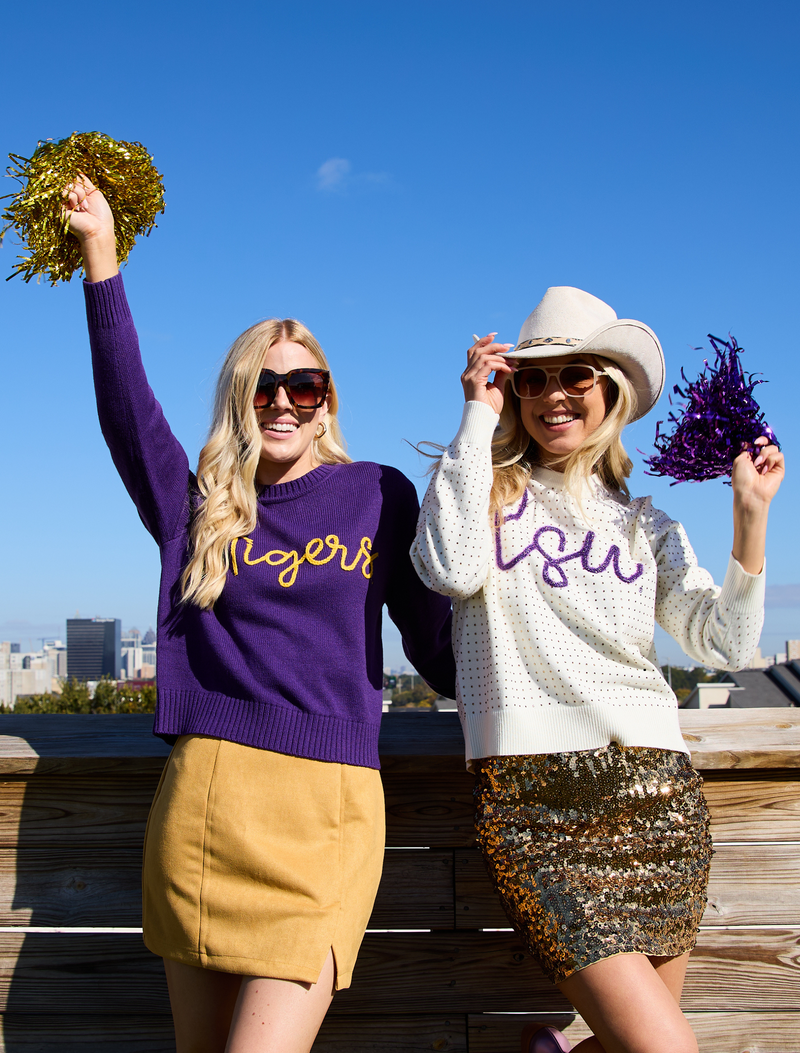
290	657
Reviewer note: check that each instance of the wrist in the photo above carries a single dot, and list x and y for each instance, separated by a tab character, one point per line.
751	509
99	253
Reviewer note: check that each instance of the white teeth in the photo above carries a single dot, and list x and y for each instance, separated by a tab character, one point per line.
280	427
561	419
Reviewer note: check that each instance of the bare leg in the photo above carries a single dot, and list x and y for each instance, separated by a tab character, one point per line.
202	1003
280	1016
631	1004
217	1012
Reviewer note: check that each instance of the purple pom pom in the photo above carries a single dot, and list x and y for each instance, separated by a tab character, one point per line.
720	418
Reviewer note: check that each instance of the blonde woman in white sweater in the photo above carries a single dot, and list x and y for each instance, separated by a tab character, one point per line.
589	814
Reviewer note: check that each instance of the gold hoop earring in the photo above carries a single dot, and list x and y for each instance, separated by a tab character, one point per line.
324	431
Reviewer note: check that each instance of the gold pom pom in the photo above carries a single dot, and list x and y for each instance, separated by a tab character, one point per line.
124	172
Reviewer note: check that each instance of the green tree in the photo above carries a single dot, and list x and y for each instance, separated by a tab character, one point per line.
684	681
74	698
421	696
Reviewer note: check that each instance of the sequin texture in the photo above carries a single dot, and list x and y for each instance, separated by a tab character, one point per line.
596	853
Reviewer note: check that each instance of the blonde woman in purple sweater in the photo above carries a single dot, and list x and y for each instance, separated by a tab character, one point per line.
264	845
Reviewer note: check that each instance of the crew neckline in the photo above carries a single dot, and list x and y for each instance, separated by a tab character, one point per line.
296	487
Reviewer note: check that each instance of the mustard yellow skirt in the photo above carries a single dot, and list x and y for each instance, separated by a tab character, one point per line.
259	863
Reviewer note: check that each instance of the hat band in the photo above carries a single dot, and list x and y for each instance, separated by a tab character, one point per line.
539	340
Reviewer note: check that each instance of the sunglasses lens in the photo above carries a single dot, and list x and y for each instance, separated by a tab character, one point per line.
307	390
530	383
577	380
265	392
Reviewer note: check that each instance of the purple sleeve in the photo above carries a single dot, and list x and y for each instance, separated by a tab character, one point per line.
150	460
423	617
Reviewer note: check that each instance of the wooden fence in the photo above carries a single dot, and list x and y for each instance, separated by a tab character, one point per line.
74	975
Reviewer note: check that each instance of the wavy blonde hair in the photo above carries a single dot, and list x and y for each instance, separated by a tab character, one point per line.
515	453
226	471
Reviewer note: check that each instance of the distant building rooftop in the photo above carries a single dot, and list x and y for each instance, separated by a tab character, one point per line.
771	688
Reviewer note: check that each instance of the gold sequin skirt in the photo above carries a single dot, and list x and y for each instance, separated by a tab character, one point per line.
596	853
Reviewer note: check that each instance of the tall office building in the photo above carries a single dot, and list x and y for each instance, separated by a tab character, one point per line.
93	648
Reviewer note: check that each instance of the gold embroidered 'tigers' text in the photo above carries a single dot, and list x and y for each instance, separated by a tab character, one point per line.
313	555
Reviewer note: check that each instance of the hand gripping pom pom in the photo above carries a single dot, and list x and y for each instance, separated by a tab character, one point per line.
720	418
124	172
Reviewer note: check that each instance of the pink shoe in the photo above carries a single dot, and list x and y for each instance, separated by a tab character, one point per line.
543	1040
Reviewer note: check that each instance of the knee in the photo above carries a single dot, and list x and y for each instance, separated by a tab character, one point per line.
665	1043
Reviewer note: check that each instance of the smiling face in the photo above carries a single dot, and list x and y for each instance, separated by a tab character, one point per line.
558	422
287	433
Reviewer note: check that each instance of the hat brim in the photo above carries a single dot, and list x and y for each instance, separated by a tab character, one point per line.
631	345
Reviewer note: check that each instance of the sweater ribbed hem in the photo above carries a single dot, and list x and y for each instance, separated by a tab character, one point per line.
561	728
478	422
266	726
742	591
106	303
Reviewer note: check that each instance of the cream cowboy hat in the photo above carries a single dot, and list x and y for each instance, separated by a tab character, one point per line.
568	320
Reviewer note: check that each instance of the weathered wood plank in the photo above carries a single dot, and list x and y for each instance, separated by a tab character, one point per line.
716	1032
41	1033
416	891
80	975
501	1033
68	742
763	809
742	738
750	885
396	973
764	738
437	810
82	807
93	886
392	1033
74	886
488	1033
754	885
735	969
429	809
432	810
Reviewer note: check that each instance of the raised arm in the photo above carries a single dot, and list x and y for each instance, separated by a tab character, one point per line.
755	482
149	459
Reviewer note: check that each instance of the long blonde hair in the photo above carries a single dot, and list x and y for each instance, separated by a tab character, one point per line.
514	452
226	471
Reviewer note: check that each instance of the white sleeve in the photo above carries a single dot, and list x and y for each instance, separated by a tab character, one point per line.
718	627
452	551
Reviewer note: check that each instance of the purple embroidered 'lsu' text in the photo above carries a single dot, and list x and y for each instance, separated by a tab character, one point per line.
553	564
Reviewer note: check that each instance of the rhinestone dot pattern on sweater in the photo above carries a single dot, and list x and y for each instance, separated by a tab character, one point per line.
596	853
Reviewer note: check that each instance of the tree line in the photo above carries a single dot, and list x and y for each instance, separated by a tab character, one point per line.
109	697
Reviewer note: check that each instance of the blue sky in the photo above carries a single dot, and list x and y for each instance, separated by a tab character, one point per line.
398	176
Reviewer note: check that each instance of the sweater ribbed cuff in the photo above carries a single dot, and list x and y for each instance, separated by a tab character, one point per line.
106	303
478	423
742	591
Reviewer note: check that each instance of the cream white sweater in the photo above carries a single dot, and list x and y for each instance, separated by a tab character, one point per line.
554	611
